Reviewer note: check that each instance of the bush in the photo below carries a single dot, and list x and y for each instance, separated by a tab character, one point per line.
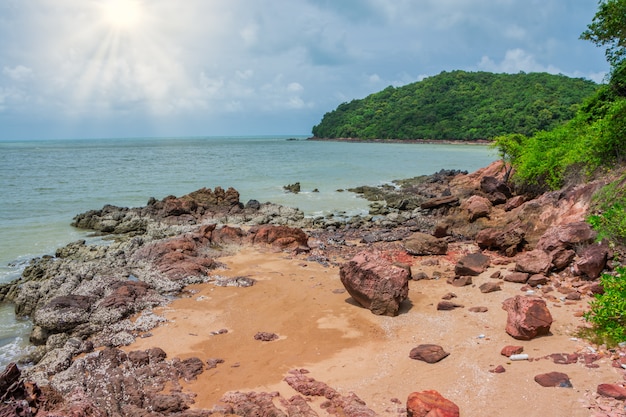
608	310
609	212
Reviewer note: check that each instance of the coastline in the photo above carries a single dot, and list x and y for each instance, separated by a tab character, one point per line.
410	141
189	245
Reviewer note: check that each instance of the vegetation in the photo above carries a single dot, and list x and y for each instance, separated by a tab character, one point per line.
608	310
460	105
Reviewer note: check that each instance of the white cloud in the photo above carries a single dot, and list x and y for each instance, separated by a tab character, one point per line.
516	60
18	73
295	87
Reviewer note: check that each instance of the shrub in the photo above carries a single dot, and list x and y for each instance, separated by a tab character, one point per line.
608	310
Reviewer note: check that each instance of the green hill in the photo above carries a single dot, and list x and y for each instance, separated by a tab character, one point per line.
460	105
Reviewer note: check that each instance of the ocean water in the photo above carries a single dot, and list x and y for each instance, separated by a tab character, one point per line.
43	184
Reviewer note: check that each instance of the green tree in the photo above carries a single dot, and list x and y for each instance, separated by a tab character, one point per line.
608	28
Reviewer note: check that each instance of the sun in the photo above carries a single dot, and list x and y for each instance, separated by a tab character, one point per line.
122	14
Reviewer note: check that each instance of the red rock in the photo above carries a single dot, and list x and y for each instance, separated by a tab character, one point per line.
281	237
517	277
376	283
424	244
440	201
448	305
498	370
430	404
449	296
514	202
511	350
592	261
528	317
472	265
478	309
507	241
553	379
564	358
477	207
533	262
562	258
612	391
428	353
460	281
488	287
537	279
227	235
566	236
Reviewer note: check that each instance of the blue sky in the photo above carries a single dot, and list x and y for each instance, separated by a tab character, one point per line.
140	68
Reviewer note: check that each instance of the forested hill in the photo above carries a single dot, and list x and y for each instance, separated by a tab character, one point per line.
460	105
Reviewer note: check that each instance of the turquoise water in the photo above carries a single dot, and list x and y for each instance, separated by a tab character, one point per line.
43	184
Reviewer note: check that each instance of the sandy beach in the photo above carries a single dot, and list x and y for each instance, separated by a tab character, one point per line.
322	330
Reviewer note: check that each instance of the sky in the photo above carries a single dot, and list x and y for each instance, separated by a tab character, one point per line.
163	68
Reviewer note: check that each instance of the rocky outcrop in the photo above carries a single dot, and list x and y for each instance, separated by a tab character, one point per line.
376	283
528	317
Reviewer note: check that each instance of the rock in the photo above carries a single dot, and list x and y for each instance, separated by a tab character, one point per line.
64	313
478	309
337	404
292	188
511	350
448	305
428	353
514	202
528	317
593	260
420	276
488	287
375	282
430	404
562	258
533	262
498	370
280	237
189	368
473	264
564	358
460	281
553	379
423	244
437	202
517	277
566	236
265	336
537	279
492	185
508	241
477	207
612	391
448	296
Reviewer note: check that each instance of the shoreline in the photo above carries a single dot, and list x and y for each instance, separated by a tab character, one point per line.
409	141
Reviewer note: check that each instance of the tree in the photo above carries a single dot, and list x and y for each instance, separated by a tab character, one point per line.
509	148
608	27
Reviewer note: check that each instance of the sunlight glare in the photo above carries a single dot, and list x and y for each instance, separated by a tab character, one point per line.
122	14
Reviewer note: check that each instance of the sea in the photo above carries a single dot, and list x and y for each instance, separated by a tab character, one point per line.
44	184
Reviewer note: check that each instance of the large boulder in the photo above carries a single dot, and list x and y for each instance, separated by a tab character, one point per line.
477	207
528	317
593	260
508	241
430	404
375	282
534	262
424	244
63	313
566	236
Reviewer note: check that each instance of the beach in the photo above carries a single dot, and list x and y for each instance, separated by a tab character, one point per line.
322	330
